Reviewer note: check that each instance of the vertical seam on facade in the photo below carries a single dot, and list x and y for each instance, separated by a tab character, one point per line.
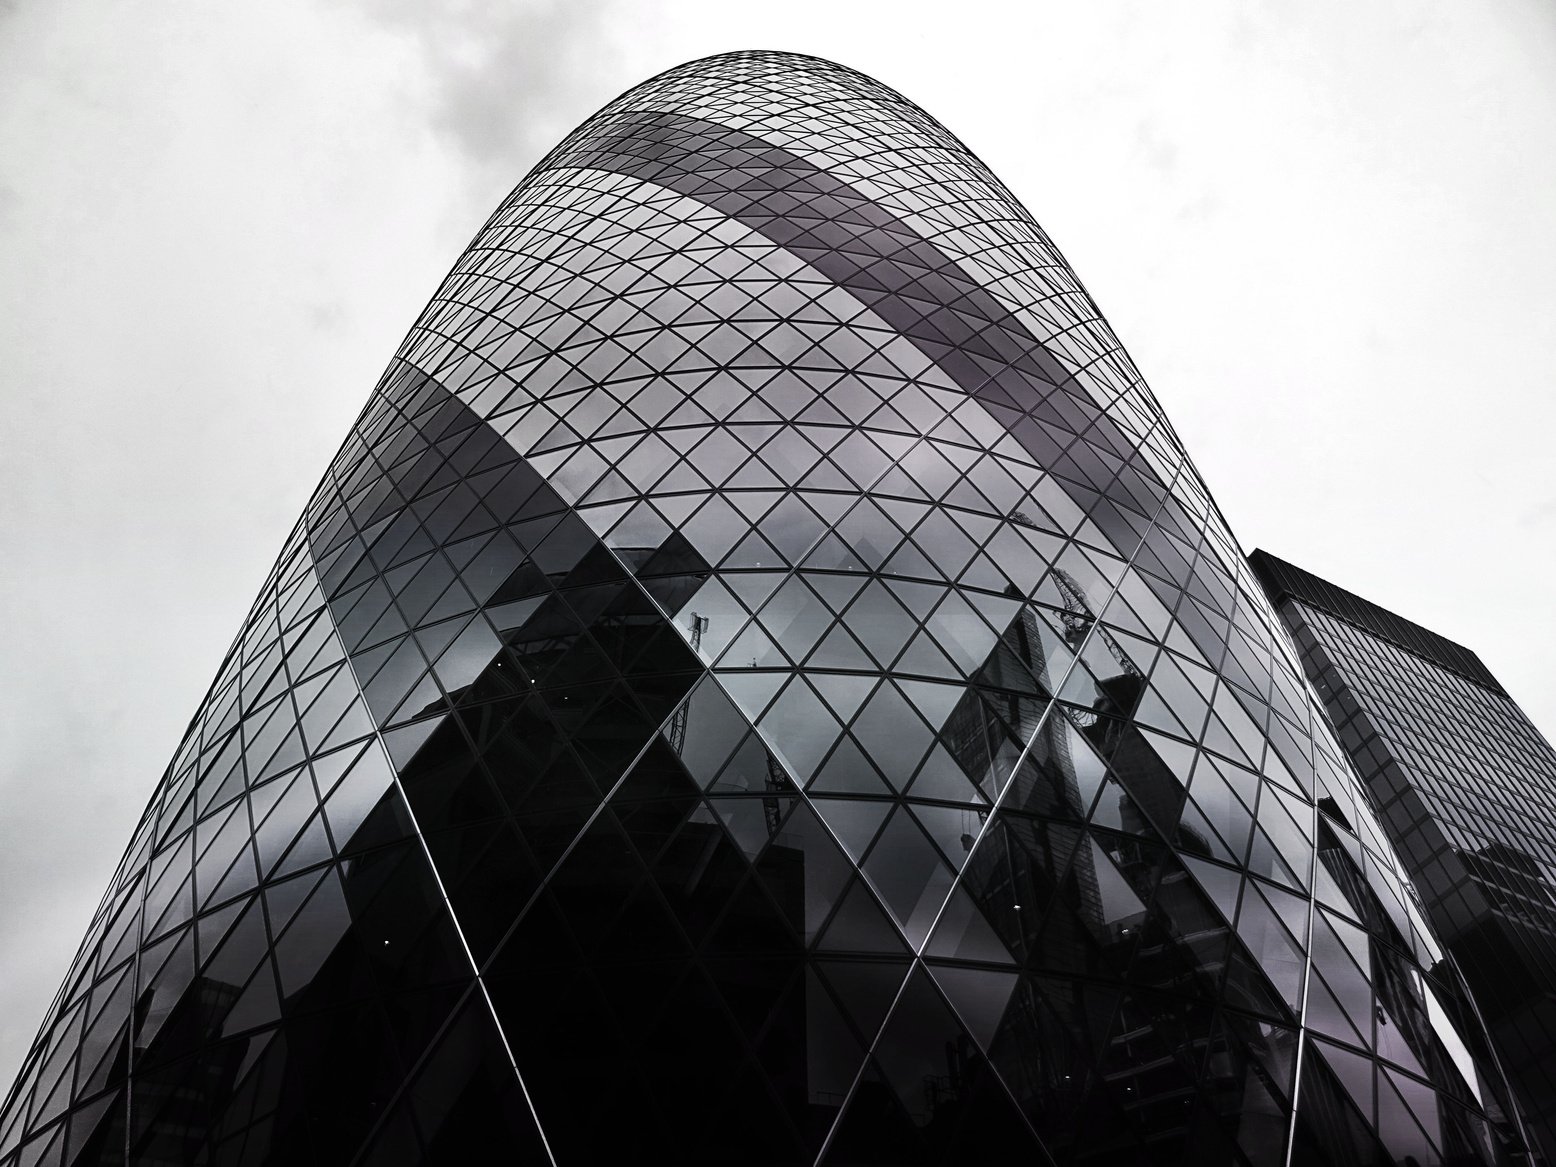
437	879
157	805
1307	963
709	676
917	960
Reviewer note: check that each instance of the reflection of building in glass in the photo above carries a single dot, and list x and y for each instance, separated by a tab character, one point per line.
761	682
1467	790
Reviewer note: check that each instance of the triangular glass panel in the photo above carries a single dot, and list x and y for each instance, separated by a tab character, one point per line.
751	691
839	650
963	933
753	648
801	729
909	875
955	830
978	995
942	778
843	693
848	771
753	823
859	925
865	990
854	822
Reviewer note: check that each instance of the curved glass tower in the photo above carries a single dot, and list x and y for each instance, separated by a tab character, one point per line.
760	683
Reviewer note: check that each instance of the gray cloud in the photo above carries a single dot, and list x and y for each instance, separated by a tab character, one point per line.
507	79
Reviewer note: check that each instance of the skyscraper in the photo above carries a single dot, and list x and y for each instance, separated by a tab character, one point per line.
1467	792
761	682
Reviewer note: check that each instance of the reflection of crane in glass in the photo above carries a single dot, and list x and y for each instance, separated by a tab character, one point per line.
1078	620
1077	616
698	625
772	808
777	780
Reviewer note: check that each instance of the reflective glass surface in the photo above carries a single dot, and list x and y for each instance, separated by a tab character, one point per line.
760	683
1466	787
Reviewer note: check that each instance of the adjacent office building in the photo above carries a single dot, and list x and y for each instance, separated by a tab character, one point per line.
761	682
1466	787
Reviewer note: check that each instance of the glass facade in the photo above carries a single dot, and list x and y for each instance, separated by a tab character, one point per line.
760	683
1466	788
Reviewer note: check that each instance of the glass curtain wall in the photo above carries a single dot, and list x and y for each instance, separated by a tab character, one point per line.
760	683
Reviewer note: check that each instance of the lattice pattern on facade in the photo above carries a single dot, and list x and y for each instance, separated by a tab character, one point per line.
761	682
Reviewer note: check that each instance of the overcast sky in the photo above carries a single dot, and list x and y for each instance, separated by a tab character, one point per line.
1323	230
